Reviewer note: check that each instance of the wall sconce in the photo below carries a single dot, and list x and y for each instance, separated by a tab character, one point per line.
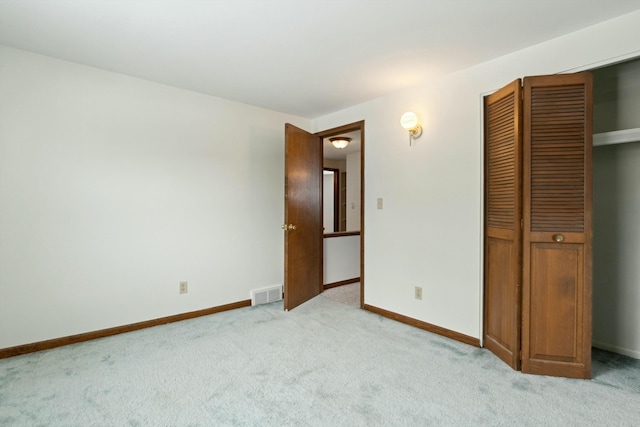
340	142
409	121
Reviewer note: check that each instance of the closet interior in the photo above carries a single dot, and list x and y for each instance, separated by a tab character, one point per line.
616	208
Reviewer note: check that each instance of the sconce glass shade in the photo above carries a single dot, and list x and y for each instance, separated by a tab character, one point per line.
340	142
409	121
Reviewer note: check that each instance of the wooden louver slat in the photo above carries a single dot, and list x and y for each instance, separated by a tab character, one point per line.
503	213
557	158
501	174
557	225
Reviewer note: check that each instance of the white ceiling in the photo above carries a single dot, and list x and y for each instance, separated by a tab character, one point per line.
304	57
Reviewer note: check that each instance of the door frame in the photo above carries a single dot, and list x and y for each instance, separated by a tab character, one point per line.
336	197
481	97
351	127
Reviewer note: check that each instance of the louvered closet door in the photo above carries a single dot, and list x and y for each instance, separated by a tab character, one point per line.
503	197
557	188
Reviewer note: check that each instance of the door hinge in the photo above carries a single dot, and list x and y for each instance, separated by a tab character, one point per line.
521	223
520	354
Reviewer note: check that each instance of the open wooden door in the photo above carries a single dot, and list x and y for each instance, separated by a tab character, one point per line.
557	238
303	217
503	214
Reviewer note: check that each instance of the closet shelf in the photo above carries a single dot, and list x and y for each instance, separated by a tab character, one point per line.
616	137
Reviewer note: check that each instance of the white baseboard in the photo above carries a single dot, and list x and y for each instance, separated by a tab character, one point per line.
614	348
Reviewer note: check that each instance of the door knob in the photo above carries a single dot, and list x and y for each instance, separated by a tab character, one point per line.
289	227
558	237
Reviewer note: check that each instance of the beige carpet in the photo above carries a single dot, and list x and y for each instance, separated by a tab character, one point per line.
346	294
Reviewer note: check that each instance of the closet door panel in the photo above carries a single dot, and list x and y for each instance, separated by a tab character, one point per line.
503	159
557	187
556	301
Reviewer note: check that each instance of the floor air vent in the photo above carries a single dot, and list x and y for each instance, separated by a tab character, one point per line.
266	295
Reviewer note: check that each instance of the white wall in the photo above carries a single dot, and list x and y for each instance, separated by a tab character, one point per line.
429	233
341	258
616	97
114	189
328	202
616	248
335	164
353	191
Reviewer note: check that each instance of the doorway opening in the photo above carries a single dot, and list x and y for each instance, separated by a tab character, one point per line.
343	208
616	162
304	240
616	202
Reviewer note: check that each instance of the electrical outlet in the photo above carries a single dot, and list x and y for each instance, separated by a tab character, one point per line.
183	288
418	292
